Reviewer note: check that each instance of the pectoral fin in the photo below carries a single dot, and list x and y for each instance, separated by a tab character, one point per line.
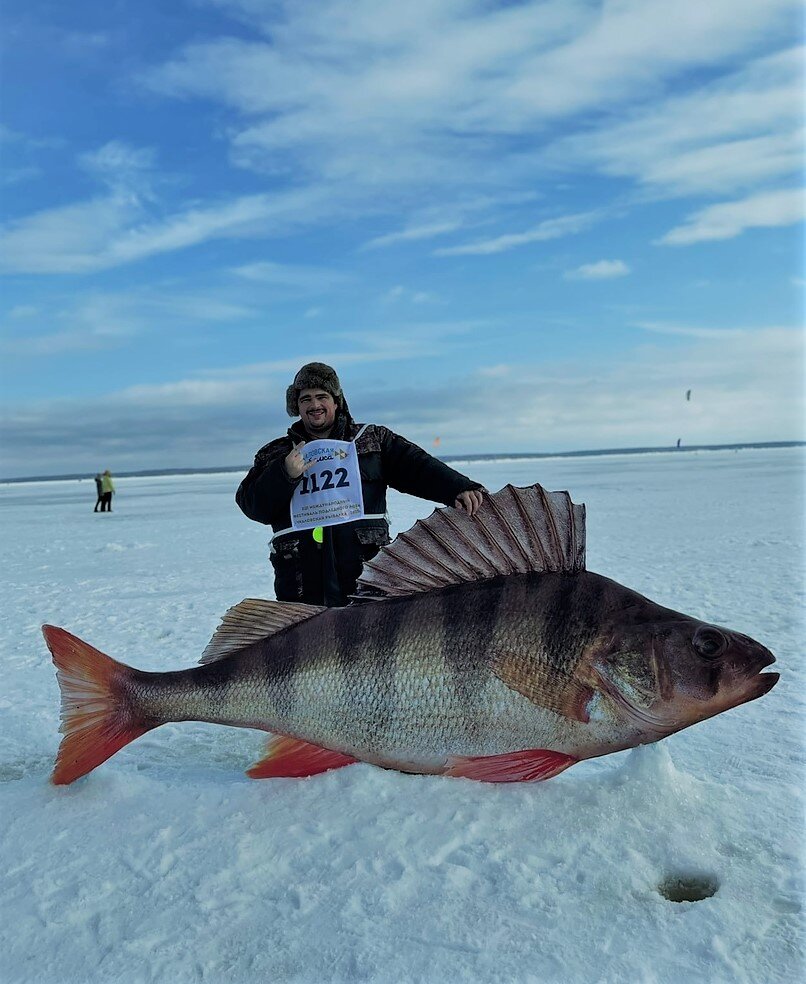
292	758
544	684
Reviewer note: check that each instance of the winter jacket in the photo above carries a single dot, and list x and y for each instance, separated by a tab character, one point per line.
107	485
326	573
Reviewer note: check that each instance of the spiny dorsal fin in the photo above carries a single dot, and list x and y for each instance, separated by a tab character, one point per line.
515	531
252	620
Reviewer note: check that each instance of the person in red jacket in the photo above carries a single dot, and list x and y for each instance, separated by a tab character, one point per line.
321	566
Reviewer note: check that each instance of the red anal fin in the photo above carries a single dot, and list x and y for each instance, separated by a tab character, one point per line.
530	765
293	759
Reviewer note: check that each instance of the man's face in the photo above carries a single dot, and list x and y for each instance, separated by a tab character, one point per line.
317	408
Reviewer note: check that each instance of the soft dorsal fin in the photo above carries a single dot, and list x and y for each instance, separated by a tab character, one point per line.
252	620
515	531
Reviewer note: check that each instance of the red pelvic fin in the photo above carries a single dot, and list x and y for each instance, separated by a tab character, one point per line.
530	765
293	758
97	719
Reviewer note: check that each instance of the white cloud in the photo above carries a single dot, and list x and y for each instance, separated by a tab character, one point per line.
413	234
460	213
566	225
299	277
750	390
694	331
418	340
23	311
124	168
729	219
601	270
634	43
365	109
114	230
82	42
18	150
101	320
729	134
400	293
427	93
116	157
53	344
9	136
69	239
186	393
17	175
496	372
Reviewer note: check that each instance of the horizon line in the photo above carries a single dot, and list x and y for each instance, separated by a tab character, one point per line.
473	456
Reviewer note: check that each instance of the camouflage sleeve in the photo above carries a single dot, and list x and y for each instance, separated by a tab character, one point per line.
265	494
408	468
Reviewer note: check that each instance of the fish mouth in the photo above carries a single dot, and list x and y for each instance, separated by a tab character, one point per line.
762	684
767	660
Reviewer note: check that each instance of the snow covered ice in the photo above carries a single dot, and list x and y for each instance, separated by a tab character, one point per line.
168	864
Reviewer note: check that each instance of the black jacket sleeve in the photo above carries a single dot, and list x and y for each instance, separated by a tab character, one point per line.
408	468
265	494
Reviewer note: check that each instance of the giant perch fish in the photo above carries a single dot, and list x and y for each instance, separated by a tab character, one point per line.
477	647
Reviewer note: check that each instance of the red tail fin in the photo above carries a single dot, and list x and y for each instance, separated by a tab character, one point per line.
97	717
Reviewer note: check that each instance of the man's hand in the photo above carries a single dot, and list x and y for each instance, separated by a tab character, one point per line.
470	501
294	463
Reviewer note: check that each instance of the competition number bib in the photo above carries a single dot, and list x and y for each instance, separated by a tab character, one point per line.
330	490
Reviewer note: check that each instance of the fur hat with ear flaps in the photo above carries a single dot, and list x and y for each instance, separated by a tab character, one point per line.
315	375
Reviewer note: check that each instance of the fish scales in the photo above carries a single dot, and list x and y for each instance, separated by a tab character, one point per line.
376	632
411	674
401	677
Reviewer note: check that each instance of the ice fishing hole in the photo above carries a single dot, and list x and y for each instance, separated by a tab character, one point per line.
688	887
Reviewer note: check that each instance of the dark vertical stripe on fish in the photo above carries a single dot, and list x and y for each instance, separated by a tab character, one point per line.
279	669
348	629
465	631
564	602
540	639
366	640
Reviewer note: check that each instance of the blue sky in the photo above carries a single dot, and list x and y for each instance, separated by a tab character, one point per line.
517	226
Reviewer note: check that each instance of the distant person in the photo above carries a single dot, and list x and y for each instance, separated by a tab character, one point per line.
320	566
99	491
107	491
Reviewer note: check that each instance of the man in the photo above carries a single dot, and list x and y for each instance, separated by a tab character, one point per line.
107	491
99	491
321	566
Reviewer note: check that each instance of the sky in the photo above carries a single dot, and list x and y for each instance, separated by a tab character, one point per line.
512	226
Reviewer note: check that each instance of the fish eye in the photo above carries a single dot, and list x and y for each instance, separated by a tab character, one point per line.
709	643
